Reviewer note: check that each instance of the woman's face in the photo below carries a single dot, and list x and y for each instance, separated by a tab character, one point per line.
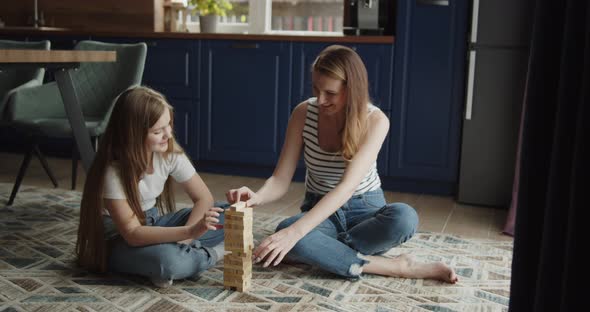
160	133
330	92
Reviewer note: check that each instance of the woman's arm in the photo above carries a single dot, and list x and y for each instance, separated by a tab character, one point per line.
137	235
276	246
277	185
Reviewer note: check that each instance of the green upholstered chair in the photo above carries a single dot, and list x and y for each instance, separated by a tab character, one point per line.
13	80
40	112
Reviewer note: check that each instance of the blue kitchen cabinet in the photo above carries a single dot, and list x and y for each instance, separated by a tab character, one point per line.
172	67
244	103
428	92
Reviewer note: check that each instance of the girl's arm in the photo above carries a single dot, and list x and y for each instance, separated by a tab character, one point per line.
277	185
276	246
137	235
202	199
199	193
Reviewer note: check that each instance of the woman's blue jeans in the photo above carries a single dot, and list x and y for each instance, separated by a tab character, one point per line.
167	260
364	225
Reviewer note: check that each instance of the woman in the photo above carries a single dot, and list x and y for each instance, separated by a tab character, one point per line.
345	224
128	221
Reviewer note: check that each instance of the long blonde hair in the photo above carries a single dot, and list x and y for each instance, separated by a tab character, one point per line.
342	63
123	146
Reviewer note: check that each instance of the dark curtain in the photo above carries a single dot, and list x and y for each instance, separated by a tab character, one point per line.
549	270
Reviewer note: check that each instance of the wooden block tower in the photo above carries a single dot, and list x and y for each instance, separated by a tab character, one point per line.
239	241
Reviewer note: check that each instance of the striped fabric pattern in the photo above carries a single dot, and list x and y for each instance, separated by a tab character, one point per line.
325	169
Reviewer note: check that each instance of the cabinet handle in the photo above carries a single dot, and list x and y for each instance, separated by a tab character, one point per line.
470	81
186	129
245	46
152	44
433	2
474	20
186	69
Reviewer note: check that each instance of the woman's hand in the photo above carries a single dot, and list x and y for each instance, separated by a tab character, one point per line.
208	222
243	194
274	248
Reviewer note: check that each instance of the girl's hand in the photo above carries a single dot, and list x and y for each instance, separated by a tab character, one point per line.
274	248
208	222
243	194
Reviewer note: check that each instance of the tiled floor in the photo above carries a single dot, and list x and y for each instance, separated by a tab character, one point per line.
437	214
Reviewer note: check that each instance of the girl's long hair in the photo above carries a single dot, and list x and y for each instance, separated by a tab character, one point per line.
342	63
123	146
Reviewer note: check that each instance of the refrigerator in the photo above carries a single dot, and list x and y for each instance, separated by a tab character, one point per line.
497	59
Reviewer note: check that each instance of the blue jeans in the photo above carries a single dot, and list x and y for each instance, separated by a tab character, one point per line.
167	260
364	225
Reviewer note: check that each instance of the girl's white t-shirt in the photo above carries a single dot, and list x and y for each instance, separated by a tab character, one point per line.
151	185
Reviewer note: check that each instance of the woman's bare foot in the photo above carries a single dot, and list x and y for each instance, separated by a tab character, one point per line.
406	267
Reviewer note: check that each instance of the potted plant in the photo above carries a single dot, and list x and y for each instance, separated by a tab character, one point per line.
209	12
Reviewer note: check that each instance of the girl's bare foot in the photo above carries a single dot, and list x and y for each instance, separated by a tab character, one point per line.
406	267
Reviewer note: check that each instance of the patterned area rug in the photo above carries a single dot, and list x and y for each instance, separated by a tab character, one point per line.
37	273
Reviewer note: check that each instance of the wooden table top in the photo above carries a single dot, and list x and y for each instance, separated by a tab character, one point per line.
56	56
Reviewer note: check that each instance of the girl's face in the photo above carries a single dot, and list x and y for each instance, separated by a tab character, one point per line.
330	92
160	133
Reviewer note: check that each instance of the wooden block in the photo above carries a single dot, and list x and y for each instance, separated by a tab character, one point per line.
237	271
243	264
237	219
239	205
239	256
238	248
237	226
239	236
242	245
237	283
240	253
241	287
239	210
242	242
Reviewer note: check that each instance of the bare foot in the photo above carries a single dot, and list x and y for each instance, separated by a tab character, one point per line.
405	266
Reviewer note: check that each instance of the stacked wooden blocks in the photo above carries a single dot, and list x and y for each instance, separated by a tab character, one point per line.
237	265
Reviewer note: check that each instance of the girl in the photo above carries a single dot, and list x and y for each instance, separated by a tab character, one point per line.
128	221
345	223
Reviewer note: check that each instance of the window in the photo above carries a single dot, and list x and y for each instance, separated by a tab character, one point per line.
307	15
279	16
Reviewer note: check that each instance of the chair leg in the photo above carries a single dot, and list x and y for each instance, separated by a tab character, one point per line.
45	164
21	175
74	166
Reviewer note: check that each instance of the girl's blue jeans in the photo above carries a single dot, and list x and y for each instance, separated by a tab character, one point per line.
167	260
364	225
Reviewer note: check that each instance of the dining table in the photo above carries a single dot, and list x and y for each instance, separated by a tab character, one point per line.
62	63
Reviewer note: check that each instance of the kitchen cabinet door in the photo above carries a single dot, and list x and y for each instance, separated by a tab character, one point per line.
429	90
172	67
245	91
